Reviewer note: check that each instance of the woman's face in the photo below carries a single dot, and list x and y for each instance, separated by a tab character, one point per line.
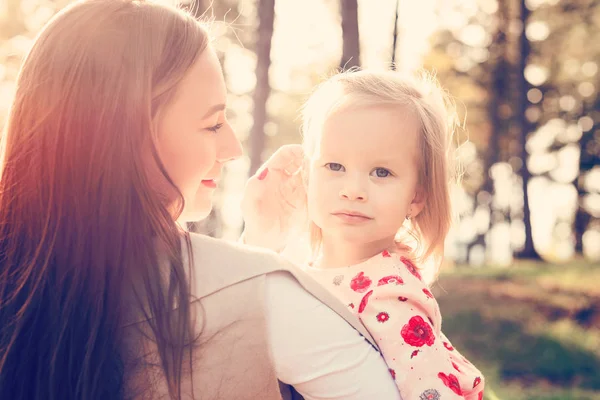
194	137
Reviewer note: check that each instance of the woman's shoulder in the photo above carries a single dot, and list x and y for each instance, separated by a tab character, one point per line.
208	247
217	263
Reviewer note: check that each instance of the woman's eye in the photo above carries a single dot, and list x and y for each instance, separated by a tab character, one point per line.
382	173
215	128
334	166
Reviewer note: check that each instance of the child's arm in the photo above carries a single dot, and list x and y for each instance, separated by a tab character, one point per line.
402	317
317	352
475	385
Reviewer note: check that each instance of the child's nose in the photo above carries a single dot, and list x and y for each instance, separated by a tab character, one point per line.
353	190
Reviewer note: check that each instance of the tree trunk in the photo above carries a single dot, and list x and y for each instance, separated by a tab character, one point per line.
395	36
497	84
351	47
266	14
588	160
582	220
529	251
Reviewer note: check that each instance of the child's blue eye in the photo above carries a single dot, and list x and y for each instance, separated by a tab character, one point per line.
382	172
215	128
335	166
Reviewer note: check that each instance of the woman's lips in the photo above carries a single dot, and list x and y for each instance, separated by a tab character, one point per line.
210	183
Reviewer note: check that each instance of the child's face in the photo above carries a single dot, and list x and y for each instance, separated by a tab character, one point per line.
363	176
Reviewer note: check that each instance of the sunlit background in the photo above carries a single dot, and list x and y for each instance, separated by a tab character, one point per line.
524	76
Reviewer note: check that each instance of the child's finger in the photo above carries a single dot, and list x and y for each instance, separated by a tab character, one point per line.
287	157
284	199
296	187
295	160
290	194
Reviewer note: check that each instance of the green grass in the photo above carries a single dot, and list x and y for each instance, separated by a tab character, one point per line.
533	329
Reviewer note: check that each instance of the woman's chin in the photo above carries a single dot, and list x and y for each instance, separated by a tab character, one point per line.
196	212
194	216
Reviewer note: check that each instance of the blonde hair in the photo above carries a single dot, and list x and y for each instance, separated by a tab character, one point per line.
422	95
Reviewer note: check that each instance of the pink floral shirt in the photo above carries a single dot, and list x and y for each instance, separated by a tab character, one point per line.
389	297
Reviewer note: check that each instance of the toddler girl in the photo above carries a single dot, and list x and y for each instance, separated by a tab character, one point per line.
377	172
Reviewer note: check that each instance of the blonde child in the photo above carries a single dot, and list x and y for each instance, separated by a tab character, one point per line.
377	172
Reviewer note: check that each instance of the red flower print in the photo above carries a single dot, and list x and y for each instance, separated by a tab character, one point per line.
411	267
428	293
476	382
386	254
393	373
402	298
430	321
363	302
480	396
417	332
414	353
351	305
430	394
383	317
390	279
448	346
455	367
360	283
451	381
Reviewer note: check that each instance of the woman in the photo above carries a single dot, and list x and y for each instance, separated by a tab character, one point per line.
118	130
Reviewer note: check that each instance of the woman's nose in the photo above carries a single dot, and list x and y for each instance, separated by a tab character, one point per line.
230	147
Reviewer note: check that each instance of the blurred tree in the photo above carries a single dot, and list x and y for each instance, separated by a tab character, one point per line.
587	218
589	160
351	45
531	72
471	58
524	127
395	36
569	94
266	18
498	107
499	101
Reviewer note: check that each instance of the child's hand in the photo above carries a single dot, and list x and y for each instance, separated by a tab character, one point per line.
274	202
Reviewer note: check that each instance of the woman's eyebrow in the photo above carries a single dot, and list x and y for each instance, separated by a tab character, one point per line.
214	109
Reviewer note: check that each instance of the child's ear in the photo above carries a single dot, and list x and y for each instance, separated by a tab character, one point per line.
418	202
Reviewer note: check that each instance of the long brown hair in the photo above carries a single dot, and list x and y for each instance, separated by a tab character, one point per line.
80	219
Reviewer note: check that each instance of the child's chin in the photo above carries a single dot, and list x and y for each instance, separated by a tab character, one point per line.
361	237
357	237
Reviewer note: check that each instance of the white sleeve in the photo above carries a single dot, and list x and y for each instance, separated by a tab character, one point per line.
319	353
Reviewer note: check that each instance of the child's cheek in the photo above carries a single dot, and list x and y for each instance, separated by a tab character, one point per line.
316	199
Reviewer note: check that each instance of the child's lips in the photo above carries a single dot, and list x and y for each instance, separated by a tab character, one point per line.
351	216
